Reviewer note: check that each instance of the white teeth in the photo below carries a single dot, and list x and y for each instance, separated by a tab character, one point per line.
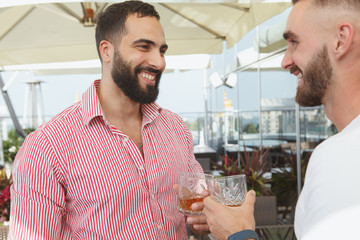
299	75
148	76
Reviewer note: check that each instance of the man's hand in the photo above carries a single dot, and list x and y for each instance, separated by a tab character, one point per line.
224	221
197	224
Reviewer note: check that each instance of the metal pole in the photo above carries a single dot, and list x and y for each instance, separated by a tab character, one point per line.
259	88
206	128
33	105
298	147
40	106
12	113
238	114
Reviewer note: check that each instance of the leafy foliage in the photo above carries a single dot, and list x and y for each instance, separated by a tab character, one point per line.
251	128
284	183
252	165
12	145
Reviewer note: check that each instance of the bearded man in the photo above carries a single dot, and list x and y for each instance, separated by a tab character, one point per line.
105	167
324	54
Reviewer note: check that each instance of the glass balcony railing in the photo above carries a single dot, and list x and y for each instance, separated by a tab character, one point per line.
230	127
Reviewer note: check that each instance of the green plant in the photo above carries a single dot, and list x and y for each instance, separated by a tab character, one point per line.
284	180
252	165
13	143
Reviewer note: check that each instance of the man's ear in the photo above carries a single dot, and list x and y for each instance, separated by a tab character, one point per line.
344	38
106	50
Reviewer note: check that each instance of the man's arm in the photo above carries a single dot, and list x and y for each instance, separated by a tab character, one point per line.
37	198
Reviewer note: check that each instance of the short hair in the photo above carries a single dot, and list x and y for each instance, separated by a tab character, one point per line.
111	22
346	4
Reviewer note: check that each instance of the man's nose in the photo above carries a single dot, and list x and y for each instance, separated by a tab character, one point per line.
157	60
287	61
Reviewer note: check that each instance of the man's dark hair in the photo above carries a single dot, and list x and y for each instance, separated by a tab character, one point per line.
111	22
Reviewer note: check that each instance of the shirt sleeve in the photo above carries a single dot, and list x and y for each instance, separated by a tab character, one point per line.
244	235
37	197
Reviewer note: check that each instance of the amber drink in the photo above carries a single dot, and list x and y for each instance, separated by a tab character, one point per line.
185	203
192	188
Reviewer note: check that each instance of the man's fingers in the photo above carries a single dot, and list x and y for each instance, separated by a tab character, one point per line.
201	227
198	206
196	220
250	199
176	188
205	193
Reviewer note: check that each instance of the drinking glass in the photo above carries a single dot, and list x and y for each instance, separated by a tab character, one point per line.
192	189
229	190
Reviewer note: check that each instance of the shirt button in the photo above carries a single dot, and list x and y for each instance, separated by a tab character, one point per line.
141	168
159	227
126	139
152	195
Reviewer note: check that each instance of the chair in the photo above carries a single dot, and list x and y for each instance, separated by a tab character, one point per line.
4	231
267	225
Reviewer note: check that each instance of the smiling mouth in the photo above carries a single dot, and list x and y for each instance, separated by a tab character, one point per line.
148	76
299	76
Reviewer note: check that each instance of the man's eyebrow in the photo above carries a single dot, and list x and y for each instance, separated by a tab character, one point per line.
147	41
142	40
288	35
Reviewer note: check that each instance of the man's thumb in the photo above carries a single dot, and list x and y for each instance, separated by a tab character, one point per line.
250	198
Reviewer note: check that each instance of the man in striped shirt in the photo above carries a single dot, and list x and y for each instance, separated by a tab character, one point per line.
104	168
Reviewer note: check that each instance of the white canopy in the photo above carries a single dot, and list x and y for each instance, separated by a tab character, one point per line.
51	32
249	59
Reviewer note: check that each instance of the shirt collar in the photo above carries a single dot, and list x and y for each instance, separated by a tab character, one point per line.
150	112
91	107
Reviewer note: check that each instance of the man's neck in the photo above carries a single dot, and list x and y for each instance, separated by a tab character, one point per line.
117	108
343	105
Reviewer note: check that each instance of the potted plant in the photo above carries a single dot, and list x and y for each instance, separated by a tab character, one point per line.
284	182
252	165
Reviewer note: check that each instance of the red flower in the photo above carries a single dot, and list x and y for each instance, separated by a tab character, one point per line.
5	195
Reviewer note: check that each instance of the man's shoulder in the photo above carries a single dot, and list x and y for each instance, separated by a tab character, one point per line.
348	137
339	149
171	117
169	113
63	119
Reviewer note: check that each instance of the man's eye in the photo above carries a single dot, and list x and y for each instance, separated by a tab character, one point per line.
292	42
143	47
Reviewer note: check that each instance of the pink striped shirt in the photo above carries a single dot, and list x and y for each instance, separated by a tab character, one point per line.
78	177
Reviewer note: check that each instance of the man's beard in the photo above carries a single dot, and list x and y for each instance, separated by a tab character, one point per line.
128	81
316	78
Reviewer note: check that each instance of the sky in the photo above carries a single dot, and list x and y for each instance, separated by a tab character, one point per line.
180	91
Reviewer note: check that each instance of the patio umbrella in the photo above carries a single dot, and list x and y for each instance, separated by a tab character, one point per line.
42	31
39	31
